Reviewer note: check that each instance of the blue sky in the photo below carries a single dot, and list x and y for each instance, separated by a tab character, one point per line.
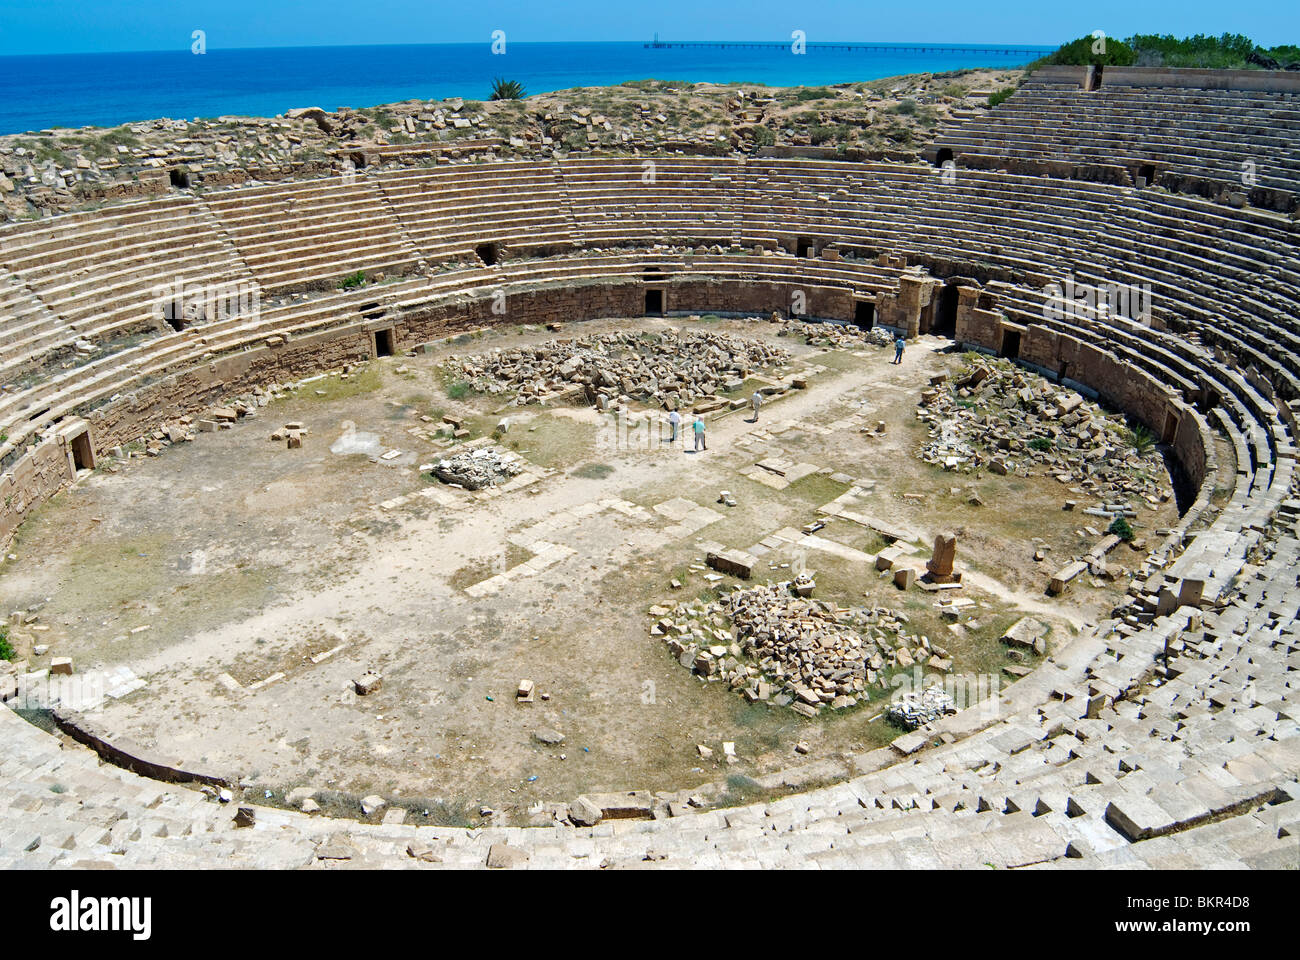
76	26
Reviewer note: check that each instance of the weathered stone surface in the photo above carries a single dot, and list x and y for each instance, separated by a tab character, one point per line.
584	813
503	856
736	563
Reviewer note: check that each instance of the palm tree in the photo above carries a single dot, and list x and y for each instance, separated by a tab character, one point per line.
503	89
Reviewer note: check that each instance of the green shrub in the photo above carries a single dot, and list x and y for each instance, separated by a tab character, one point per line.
1121	528
353	280
763	137
1230	51
1000	96
906	107
459	389
7	651
821	134
1140	439
1079	53
1040	443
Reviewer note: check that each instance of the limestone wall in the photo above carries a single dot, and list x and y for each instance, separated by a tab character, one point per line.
1273	81
35	478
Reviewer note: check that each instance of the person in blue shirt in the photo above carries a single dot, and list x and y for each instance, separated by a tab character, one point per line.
700	442
898	349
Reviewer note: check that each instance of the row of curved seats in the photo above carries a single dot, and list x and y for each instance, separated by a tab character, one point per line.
1029	224
105	274
1197	132
291	237
451	212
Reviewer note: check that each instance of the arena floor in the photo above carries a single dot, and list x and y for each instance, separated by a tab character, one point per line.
220	572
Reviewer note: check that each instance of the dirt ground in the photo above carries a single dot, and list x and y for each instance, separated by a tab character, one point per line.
221	571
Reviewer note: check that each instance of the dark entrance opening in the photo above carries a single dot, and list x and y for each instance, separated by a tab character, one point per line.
1065	370
174	314
384	343
945	317
487	252
943	156
83	456
864	314
654	302
1010	344
180	178
1147	174
1093	81
1171	428
803	247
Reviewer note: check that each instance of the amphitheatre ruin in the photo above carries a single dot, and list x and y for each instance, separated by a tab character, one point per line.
345	522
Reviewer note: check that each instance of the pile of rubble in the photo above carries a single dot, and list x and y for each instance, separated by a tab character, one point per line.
671	369
841	335
996	416
476	469
915	709
770	644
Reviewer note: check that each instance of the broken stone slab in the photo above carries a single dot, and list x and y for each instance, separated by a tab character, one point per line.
418	850
367	683
1025	632
548	736
1061	579
889	556
736	563
585	813
1136	817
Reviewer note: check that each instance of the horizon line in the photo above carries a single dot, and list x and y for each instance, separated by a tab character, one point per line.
466	43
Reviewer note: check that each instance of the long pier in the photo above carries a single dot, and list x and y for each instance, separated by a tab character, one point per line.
845	47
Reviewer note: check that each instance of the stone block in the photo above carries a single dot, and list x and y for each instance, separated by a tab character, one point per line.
735	563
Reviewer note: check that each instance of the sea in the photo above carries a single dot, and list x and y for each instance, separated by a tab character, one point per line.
107	89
